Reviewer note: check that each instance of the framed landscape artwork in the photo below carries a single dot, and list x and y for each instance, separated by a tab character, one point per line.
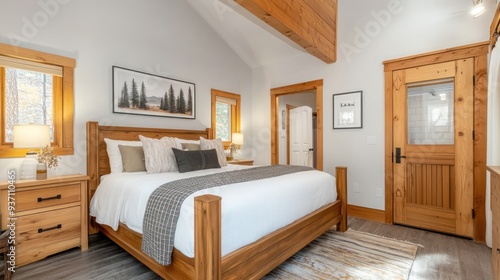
348	110
141	93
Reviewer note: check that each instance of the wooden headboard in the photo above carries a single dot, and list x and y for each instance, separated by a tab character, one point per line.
97	157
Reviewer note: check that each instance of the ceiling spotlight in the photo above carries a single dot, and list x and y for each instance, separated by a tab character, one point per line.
478	8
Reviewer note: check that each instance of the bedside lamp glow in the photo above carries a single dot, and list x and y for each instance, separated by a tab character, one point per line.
32	137
237	138
237	141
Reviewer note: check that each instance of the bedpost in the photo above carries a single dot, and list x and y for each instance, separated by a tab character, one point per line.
341	175
207	237
92	164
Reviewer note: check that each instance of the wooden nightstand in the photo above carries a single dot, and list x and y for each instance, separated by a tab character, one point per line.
50	215
241	161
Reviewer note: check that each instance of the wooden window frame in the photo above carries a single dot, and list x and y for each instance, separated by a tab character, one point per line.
63	100
235	113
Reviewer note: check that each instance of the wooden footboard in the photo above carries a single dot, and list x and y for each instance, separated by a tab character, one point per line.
250	262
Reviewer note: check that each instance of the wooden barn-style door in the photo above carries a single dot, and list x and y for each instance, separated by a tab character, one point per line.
435	141
433	166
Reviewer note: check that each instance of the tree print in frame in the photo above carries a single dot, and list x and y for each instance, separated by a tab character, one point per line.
348	110
141	93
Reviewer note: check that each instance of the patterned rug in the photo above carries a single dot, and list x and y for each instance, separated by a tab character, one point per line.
349	255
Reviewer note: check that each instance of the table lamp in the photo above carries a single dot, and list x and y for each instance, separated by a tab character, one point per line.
33	137
236	143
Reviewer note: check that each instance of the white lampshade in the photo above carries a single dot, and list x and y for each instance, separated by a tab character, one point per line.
31	136
237	138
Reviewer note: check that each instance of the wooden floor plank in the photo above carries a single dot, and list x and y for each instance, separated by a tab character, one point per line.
441	257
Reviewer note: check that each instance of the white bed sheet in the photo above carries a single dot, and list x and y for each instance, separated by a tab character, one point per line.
250	210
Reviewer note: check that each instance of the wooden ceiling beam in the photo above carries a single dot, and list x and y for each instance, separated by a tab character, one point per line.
312	24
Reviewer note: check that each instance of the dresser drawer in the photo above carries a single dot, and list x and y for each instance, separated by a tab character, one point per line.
43	234
36	199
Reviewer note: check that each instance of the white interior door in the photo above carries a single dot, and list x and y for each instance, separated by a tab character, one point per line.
301	136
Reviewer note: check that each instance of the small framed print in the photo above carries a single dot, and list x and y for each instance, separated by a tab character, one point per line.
348	110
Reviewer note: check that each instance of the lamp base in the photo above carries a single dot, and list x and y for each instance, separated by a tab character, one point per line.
27	170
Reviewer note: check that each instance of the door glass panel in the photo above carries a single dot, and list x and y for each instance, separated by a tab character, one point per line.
430	113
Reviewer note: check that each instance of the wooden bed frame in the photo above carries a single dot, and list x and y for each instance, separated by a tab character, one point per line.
250	262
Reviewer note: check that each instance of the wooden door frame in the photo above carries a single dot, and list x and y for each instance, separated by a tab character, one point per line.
479	52
317	87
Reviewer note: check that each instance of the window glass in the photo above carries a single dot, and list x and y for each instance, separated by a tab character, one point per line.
225	115
28	100
430	114
223	121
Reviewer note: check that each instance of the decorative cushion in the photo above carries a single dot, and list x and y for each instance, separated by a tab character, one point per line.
158	154
217	145
195	160
115	157
132	158
190	146
181	141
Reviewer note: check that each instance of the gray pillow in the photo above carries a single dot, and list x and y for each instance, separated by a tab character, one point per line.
195	160
132	158
190	146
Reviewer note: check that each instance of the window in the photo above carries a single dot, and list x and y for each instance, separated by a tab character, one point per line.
36	88
225	115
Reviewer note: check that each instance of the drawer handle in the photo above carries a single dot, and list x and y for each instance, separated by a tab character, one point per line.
498	250
40	230
40	199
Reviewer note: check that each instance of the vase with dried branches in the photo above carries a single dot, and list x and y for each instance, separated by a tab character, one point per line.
46	158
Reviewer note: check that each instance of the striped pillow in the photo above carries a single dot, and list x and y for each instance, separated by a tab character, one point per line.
158	154
217	145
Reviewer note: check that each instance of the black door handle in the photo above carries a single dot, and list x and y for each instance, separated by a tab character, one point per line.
398	155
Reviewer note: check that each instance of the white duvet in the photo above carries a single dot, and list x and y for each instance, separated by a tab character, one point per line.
250	210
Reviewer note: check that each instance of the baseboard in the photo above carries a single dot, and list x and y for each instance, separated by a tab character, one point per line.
366	213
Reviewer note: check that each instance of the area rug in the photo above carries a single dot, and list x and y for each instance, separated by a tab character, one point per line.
349	255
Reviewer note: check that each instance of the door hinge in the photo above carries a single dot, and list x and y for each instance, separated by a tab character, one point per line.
473	214
474	80
473	135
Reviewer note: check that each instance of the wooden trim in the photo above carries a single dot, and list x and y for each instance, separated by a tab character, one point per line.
388	166
317	86
250	262
445	55
235	112
63	100
494	27
366	213
36	56
479	53
480	151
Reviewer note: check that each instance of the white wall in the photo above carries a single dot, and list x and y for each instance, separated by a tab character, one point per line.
166	38
369	32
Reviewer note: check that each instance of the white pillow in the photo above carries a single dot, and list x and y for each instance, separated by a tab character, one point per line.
158	154
217	145
179	142
115	157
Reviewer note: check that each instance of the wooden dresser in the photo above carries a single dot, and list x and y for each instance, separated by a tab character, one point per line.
50	215
495	209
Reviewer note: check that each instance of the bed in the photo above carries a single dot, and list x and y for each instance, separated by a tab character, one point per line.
251	261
